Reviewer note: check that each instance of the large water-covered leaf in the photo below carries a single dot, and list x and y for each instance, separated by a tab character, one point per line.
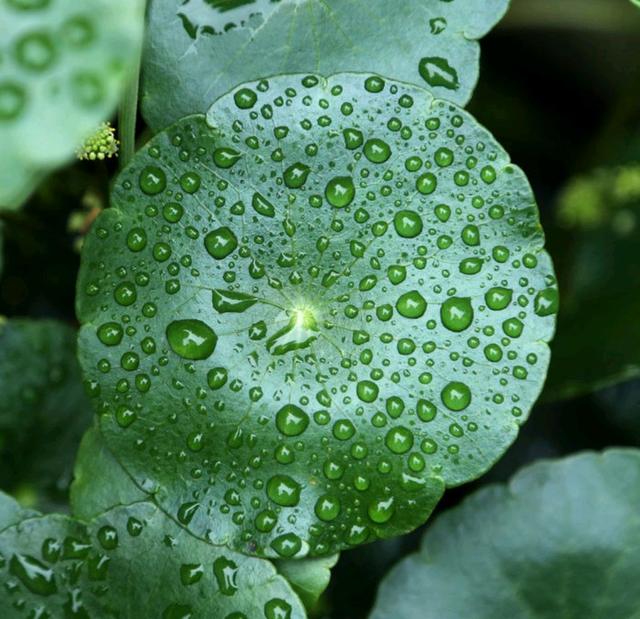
198	50
132	561
561	540
43	409
309	312
64	65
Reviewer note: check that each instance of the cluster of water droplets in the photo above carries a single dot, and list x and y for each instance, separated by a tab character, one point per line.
311	311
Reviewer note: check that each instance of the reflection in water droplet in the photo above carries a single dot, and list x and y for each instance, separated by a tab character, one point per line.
191	339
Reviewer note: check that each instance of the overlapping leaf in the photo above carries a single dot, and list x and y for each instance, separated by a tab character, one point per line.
308	313
561	540
64	66
42	397
112	567
198	50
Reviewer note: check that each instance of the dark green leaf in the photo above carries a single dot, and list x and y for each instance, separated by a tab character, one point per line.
398	339
597	342
42	398
198	50
132	561
64	65
561	540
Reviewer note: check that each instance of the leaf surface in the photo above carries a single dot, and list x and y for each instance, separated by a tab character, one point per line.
200	49
384	331
42	397
65	63
132	561
561	540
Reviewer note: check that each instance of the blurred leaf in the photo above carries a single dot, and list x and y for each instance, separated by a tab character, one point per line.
308	577
43	410
132	561
560	540
65	65
597	341
200	49
11	512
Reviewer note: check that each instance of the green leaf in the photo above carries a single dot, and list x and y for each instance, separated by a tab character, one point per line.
11	512
561	540
596	345
65	64
308	577
132	561
42	397
371	371
99	482
200	49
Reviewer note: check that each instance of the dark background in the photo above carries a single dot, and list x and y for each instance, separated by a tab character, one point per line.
559	87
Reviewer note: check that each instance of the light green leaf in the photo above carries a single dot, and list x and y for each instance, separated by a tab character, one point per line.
11	512
561	540
65	63
132	561
398	338
308	577
99	482
200	49
596	344
42	397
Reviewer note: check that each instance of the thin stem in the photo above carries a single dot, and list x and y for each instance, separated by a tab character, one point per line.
127	115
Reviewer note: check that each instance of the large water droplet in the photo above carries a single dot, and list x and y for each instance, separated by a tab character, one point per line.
191	339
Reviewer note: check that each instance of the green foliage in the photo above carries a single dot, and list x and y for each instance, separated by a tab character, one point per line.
42	397
561	540
200	49
601	284
295	316
64	66
132	561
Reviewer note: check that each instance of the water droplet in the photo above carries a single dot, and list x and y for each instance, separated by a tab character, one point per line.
498	298
110	333
283	490
456	313
546	302
291	420
327	508
340	191
245	98
191	339
408	224
296	175
377	151
456	396
411	305
382	510
153	180
220	242
399	440
226	572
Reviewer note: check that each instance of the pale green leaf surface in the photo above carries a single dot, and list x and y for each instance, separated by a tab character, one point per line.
132	561
200	49
308	577
304	339
64	66
42	397
560	540
11	512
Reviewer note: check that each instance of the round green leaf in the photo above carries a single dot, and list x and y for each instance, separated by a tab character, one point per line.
295	347
42	397
561	540
64	65
132	561
200	49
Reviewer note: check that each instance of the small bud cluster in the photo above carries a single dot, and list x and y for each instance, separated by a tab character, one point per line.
101	145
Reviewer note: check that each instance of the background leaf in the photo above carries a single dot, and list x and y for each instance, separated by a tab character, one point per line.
560	540
200	49
65	65
112	566
598	343
288	325
42	397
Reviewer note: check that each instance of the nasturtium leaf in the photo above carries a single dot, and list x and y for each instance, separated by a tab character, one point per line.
99	482
64	65
309	577
132	561
560	540
597	343
379	363
42	397
197	50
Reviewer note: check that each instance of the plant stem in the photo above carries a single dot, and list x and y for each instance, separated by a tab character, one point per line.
127	115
